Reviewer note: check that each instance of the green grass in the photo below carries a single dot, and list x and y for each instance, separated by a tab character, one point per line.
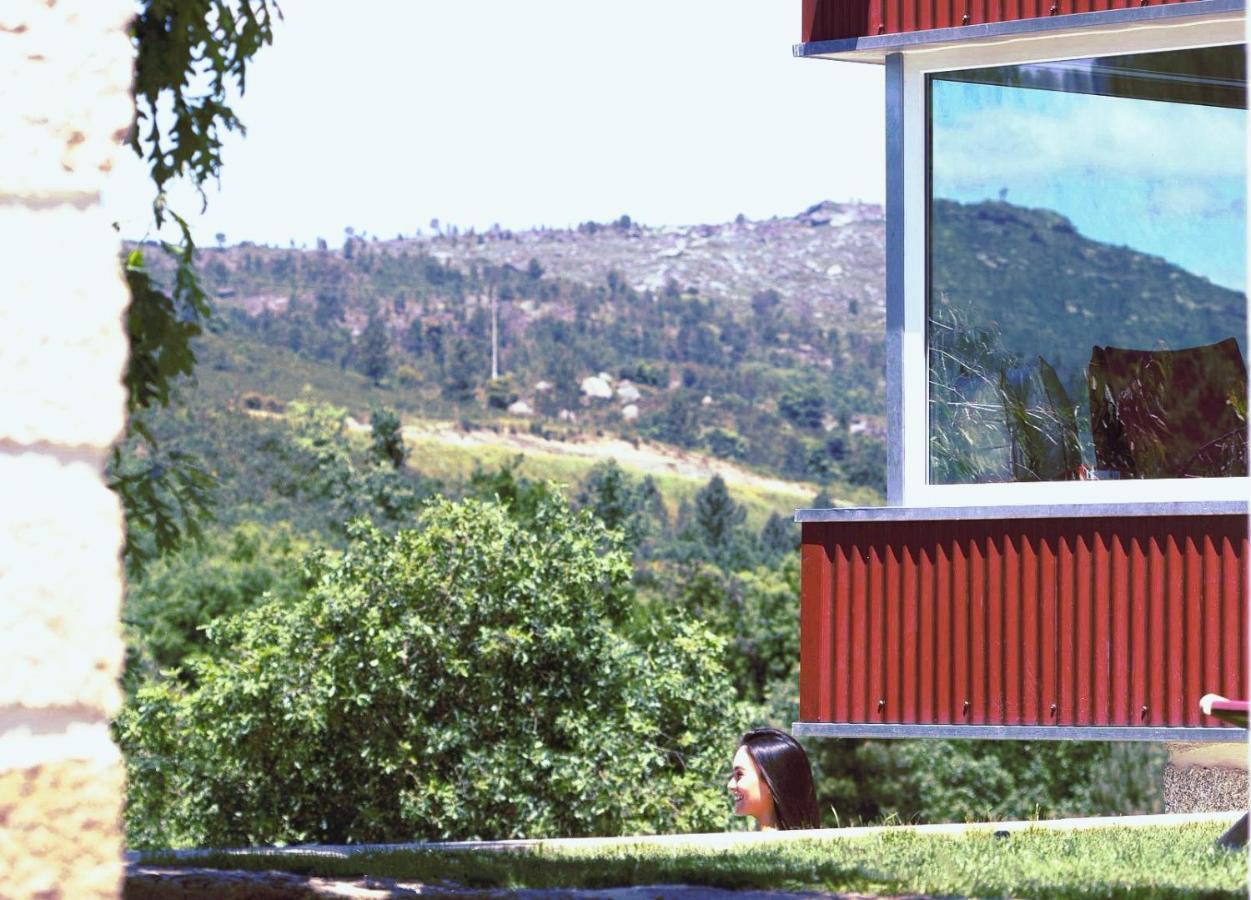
1152	862
453	463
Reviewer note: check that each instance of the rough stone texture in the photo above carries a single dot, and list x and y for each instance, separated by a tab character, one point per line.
58	828
62	129
62	352
59	577
62	383
1204	788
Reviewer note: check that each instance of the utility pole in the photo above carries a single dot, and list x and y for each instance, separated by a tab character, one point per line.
495	335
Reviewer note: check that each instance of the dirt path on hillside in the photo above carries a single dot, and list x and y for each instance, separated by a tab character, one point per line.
652	459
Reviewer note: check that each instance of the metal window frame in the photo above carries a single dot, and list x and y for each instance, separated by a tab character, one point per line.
907	252
1048	511
1019	732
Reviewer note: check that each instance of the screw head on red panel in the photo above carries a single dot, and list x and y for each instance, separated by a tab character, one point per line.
1144	712
881	705
964	19
965	710
1053	709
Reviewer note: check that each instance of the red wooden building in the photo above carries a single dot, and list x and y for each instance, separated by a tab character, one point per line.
1064	549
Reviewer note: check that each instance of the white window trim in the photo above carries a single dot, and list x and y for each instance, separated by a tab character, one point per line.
916	491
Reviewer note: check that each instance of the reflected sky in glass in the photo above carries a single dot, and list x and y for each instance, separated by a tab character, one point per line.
1168	179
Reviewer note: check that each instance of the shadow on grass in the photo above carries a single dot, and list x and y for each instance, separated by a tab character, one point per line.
1144	863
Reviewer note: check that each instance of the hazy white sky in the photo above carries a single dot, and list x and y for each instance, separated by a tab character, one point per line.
382	114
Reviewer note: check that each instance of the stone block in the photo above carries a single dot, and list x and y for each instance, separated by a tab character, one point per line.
60	584
64	348
64	127
60	829
1205	777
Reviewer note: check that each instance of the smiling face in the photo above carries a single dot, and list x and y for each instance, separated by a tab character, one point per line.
749	792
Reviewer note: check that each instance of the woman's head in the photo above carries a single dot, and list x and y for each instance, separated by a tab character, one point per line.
772	781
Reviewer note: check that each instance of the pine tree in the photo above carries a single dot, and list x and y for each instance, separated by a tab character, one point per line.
779	537
717	516
375	350
387	442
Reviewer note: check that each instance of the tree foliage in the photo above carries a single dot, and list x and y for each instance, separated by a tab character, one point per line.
230	571
629	505
189	55
466	678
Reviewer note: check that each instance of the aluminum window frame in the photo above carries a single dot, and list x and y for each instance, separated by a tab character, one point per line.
907	265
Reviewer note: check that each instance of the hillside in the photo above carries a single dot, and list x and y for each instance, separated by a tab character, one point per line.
760	343
1047	289
825	263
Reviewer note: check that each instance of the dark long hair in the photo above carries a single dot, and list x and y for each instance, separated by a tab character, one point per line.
784	766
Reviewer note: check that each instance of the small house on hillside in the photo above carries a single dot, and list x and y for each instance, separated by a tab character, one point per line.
1064	549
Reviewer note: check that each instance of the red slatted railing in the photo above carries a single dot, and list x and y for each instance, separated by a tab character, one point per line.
1077	622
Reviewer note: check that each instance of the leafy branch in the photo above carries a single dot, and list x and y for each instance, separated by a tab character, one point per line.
189	55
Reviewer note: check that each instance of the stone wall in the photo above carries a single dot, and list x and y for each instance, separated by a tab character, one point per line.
1205	778
67	69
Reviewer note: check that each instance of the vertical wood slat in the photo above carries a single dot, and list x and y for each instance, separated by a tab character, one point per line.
1029	640
831	20
1048	650
1010	642
960	629
912	629
1211	613
1114	622
978	649
840	690
1157	629
896	644
1066	630
1193	592
994	631
1118	632
925	636
858	634
1101	645
1233	623
1139	622
1175	599
942	631
877	636
1084	611
816	627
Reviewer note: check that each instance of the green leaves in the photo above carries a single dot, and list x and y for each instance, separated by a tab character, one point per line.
463	678
188	54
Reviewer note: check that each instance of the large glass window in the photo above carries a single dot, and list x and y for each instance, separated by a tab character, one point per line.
1086	309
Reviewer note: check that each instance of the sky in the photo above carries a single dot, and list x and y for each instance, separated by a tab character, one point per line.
1167	179
381	115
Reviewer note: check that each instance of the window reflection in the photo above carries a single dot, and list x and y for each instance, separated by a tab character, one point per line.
1087	304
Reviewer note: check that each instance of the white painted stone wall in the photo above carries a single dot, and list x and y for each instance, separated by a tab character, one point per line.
66	69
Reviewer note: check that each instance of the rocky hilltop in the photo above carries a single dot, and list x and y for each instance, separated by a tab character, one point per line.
825	263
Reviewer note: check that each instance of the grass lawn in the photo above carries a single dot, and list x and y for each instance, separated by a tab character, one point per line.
451	463
1157	861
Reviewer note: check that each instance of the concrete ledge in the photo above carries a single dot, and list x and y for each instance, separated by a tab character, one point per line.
717	841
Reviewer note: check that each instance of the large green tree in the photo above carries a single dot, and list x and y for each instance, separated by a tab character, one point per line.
473	677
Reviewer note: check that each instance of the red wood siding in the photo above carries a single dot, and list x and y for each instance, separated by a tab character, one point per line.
829	20
1079	622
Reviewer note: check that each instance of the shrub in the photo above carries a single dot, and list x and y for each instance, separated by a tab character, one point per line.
223	575
466	678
